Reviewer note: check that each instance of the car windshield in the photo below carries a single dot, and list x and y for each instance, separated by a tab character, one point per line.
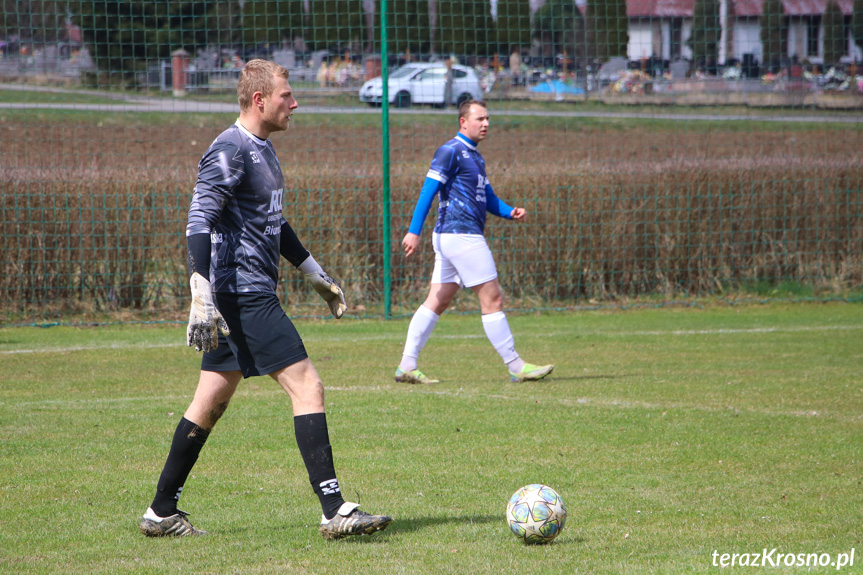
403	72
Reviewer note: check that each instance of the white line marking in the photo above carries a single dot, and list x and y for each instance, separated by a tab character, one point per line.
453	393
400	337
722	331
88	348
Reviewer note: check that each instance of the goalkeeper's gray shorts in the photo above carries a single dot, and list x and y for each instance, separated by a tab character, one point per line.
263	339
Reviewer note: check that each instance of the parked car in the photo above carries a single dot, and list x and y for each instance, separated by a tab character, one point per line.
423	84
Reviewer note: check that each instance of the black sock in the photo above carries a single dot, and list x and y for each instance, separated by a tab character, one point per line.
185	448
313	439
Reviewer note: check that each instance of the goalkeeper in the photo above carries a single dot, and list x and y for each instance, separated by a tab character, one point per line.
462	256
235	234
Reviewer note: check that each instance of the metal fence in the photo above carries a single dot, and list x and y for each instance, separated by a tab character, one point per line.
664	178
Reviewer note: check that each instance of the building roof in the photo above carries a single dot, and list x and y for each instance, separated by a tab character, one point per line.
684	8
660	8
746	7
811	7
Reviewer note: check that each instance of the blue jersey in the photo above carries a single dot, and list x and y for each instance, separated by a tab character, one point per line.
457	175
238	201
461	169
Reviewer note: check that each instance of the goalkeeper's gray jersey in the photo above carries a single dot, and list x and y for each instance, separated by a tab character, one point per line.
238	201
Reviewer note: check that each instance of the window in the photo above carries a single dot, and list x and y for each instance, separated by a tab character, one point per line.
431	74
676	37
402	72
812	32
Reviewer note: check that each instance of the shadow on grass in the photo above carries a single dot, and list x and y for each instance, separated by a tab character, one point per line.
554	377
408	525
418	523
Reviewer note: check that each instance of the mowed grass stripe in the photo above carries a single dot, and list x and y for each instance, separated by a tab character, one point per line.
397	337
461	394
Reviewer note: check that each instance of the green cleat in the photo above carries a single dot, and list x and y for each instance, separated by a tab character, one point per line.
175	525
351	521
415	376
531	372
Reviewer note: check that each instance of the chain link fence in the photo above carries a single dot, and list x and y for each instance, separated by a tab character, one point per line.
664	153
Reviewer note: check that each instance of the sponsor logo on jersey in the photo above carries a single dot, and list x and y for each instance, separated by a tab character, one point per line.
255	158
481	183
276	200
465	154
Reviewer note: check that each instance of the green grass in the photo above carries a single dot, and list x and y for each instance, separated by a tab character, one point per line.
502	122
669	432
757	120
311	94
65	97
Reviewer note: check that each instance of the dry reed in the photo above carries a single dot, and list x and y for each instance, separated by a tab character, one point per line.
93	218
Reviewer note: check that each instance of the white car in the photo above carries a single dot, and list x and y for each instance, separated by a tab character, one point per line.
423	84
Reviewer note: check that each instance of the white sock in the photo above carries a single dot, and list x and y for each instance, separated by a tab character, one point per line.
419	331
498	333
516	365
151	515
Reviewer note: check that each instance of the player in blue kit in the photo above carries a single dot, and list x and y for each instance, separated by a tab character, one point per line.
235	234
462	257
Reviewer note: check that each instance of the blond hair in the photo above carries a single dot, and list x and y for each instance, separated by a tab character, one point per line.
464	108
258	76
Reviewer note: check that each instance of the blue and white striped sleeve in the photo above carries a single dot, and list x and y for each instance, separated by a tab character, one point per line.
444	164
442	169
430	189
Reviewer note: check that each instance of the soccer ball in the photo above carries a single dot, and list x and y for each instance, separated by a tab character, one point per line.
536	513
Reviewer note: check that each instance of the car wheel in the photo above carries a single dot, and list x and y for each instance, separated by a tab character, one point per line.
374	104
463	98
403	100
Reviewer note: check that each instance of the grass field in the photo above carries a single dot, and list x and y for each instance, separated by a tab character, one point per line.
671	433
33	97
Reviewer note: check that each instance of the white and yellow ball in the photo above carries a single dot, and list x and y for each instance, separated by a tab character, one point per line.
536	513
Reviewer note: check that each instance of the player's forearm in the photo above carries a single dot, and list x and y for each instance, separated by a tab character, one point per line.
495	205
291	247
427	194
198	251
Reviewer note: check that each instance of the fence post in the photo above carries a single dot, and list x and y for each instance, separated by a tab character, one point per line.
385	137
179	64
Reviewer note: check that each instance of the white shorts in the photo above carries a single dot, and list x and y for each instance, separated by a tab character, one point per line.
463	259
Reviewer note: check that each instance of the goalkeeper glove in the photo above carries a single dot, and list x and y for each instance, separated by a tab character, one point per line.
326	286
205	321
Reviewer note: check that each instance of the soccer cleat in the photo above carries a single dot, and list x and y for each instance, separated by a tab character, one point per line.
415	376
172	526
531	372
351	521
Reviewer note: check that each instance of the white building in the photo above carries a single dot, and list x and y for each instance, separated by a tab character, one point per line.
661	28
